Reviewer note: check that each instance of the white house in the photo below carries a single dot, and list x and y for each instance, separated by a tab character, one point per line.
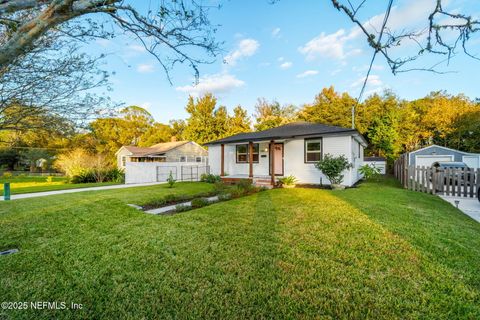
174	151
185	160
291	149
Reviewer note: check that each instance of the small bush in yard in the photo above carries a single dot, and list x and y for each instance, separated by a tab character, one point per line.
288	181
157	203
115	175
170	180
199	202
84	176
369	171
246	185
333	167
169	198
209	178
220	187
7	175
236	191
49	179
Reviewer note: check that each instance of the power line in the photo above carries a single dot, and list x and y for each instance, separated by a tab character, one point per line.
378	44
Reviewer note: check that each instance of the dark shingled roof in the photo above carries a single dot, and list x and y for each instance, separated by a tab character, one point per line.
374	159
291	130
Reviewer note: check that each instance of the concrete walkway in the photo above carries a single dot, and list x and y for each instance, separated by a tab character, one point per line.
52	193
469	206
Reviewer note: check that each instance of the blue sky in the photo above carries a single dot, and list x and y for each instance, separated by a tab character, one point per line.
286	51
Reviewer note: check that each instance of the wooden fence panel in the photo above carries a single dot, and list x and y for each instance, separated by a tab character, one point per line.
467	183
417	179
446	180
450	182
460	182
477	183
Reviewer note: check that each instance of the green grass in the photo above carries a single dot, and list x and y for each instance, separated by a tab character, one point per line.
376	252
30	184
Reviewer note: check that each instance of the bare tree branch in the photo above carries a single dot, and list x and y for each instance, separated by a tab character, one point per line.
436	39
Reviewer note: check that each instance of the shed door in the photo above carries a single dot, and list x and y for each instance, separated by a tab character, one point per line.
427	161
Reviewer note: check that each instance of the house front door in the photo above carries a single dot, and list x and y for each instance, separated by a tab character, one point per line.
278	159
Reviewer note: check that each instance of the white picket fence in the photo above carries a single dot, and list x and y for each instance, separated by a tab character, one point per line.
450	182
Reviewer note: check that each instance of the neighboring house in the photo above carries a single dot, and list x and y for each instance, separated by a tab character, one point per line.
428	155
377	162
175	151
291	149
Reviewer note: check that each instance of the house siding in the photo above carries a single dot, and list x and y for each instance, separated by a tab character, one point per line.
294	161
122	153
260	168
436	150
190	150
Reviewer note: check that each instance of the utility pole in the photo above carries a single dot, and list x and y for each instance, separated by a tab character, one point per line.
353	116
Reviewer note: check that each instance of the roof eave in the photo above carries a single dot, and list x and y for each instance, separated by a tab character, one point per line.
287	137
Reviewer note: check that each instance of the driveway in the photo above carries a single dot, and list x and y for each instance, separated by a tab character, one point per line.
51	193
469	206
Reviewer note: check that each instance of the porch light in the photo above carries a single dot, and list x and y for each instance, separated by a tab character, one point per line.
265	150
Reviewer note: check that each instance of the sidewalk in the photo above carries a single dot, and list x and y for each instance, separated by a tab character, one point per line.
52	193
469	206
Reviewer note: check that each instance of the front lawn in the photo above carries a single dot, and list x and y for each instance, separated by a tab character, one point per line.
28	184
376	251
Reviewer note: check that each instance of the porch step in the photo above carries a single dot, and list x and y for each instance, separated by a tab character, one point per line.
262	180
267	183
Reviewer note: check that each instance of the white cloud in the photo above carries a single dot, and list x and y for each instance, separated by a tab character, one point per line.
245	48
286	65
145	68
307	73
276	33
136	48
280	59
412	14
373	81
216	83
327	45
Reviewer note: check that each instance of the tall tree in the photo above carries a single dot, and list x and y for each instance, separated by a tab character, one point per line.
43	67
239	122
466	133
438	112
271	114
157	133
127	128
206	122
167	29
178	128
329	107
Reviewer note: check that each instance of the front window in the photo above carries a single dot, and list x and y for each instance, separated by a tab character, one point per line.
198	159
242	153
313	150
124	161
183	159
